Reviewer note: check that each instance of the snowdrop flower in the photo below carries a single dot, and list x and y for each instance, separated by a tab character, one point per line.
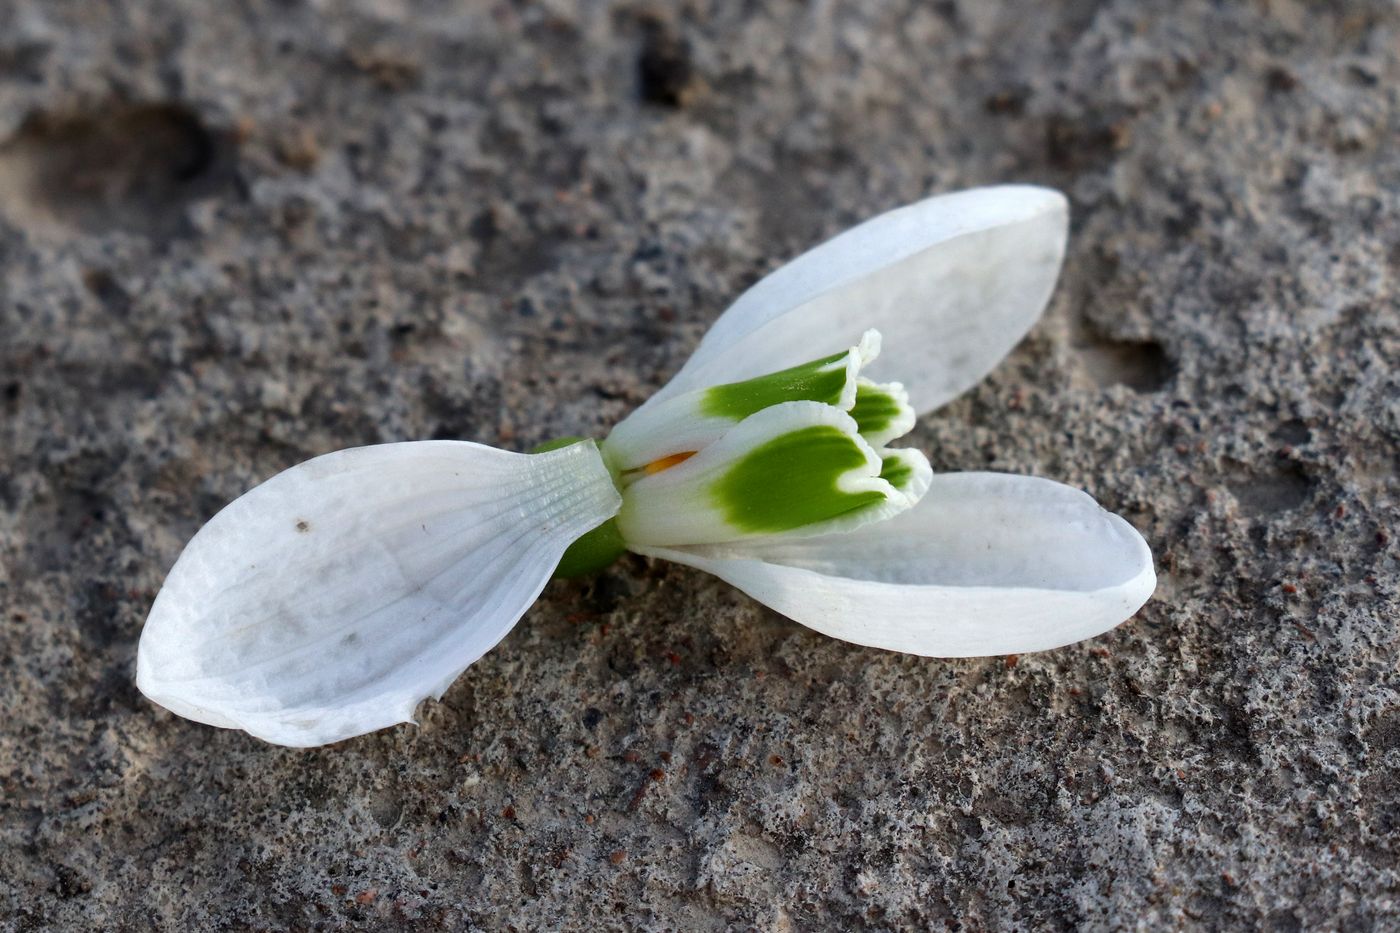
333	598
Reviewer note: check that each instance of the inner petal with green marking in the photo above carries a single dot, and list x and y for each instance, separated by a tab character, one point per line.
882	411
796	468
690	422
793	480
796	452
824	380
899	468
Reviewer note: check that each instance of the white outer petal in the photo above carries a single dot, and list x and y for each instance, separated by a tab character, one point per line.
952	283
985	564
331	599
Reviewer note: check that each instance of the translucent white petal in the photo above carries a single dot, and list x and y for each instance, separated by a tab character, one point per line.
985	564
796	468
331	599
952	282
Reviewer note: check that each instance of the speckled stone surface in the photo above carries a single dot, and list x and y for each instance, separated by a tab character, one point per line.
236	235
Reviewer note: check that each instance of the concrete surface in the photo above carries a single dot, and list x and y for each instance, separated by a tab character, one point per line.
236	235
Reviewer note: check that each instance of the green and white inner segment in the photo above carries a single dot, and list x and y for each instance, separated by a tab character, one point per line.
793	453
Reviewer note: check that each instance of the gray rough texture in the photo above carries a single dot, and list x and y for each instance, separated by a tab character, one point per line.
236	235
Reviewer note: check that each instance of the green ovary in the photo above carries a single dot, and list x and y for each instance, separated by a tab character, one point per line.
791	481
817	381
592	552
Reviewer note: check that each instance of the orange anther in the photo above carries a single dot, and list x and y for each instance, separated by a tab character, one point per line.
665	463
